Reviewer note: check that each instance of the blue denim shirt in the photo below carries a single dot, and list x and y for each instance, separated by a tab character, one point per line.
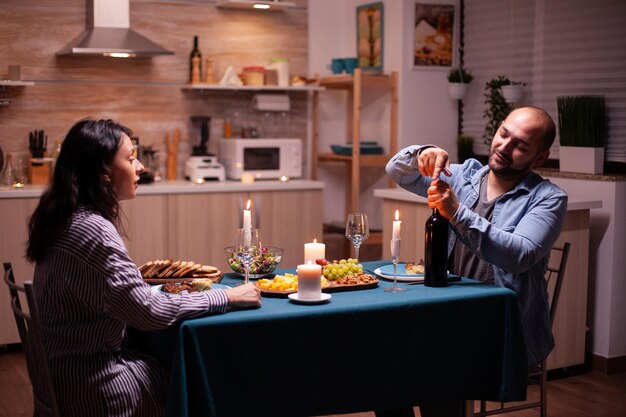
525	224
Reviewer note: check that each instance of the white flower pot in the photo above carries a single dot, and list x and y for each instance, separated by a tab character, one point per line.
581	159
512	93
457	90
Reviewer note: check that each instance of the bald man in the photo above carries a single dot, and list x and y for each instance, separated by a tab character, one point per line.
503	217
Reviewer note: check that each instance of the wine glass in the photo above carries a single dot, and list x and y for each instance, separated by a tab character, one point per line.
247	248
357	230
395	255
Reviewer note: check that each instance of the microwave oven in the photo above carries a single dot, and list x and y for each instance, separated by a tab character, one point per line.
263	158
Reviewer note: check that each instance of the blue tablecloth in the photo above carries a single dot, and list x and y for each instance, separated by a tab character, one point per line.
363	350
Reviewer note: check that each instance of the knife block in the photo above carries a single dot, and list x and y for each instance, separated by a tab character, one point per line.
39	172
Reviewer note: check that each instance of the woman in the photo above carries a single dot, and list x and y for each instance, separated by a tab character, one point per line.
89	290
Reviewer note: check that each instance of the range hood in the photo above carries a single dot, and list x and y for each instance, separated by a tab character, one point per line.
108	33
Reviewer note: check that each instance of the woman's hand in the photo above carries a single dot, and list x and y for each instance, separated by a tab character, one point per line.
247	295
442	197
433	161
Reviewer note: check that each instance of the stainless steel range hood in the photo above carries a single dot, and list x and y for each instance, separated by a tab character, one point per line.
108	33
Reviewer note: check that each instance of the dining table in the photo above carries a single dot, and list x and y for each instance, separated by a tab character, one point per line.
358	351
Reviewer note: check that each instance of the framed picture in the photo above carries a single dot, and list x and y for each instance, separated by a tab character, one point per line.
369	36
434	35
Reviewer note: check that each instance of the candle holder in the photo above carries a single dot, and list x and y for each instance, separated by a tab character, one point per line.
395	255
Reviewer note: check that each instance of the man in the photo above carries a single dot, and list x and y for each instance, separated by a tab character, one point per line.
504	219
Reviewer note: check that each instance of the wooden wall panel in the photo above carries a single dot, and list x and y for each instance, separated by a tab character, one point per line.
144	94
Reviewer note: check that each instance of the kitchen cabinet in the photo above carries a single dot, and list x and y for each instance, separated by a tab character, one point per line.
287	219
145	225
570	323
14	226
168	222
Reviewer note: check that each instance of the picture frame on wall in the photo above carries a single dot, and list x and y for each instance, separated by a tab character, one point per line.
369	36
434	35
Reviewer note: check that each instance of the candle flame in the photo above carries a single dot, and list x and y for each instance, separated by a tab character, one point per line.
314	240
248	205
397	215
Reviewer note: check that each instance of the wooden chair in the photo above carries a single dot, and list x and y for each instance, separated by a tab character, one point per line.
539	374
29	327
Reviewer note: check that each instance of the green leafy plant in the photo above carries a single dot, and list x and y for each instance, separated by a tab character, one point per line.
464	147
497	107
582	121
460	75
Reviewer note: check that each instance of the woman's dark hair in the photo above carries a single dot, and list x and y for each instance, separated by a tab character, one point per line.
80	178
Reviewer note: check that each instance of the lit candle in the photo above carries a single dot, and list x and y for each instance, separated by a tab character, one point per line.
309	281
395	234
395	237
247	225
314	251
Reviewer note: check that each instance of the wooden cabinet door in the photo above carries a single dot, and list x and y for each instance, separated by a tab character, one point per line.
200	226
16	213
145	224
289	219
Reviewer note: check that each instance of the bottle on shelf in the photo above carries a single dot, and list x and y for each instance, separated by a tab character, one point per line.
195	62
7	173
436	251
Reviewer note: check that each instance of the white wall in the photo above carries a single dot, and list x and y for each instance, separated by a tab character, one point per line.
426	113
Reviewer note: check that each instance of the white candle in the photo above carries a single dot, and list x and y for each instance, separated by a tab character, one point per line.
314	251
395	234
247	224
309	281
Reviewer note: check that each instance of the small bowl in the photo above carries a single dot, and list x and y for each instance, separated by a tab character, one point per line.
262	265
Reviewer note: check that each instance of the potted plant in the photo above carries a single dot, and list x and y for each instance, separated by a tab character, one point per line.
513	91
464	147
497	107
458	79
582	133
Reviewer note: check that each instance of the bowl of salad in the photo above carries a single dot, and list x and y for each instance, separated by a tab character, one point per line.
264	262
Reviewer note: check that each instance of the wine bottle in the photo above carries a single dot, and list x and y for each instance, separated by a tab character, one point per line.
436	248
195	62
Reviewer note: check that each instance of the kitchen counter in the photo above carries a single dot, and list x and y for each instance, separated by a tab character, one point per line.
570	324
186	187
401	194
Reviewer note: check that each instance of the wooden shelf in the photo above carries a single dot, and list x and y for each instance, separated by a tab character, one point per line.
355	85
217	87
347	81
8	83
365	160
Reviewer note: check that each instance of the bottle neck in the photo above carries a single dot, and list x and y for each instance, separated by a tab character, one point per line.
435	212
195	42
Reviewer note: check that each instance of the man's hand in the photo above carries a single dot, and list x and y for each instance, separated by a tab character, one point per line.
442	197
432	161
247	295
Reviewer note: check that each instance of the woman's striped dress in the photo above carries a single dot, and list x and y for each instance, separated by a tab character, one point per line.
88	290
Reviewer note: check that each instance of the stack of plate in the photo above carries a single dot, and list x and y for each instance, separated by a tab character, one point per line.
367	148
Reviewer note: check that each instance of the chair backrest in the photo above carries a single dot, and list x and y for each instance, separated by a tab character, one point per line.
554	277
29	327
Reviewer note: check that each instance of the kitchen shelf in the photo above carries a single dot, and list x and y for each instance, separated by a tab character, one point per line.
354	85
217	87
8	83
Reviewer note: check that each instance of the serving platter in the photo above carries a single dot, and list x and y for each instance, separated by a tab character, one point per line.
216	278
332	287
157	289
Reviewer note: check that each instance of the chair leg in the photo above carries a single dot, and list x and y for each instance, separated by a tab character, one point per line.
544	388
